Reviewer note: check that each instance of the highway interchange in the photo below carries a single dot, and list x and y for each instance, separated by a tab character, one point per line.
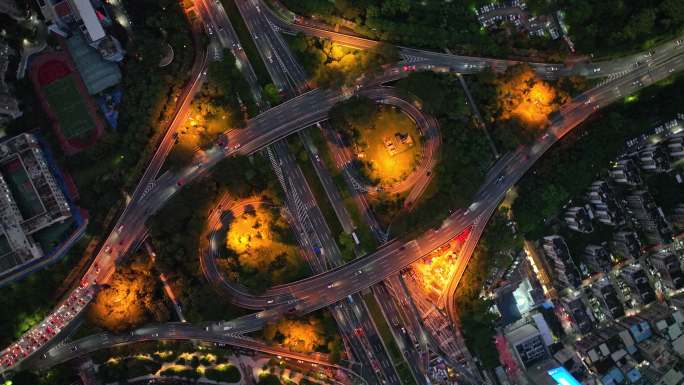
328	288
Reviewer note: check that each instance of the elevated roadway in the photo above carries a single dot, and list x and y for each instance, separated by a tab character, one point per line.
307	109
180	332
467	64
329	287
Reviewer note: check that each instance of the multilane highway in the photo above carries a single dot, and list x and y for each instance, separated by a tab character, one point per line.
462	64
290	77
183	332
327	288
279	122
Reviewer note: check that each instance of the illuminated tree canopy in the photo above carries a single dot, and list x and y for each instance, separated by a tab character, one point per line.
132	298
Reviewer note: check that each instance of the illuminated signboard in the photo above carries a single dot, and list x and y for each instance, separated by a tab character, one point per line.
563	377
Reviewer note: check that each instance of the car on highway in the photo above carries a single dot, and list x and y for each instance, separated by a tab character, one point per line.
237	146
108	249
119	229
499	179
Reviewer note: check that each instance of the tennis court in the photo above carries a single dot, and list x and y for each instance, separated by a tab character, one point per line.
68	106
20	186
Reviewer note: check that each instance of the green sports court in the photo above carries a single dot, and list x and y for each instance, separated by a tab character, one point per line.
68	106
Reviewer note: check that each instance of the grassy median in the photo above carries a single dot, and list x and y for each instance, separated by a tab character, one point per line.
247	43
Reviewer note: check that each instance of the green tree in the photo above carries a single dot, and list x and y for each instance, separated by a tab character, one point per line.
272	94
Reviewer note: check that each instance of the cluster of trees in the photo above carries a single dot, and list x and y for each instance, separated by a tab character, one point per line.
149	99
430	23
515	105
616	26
132	298
584	154
333	66
224	102
350	118
248	45
268	379
494	250
224	373
63	374
262	251
102	171
164	352
344	240
177	227
464	155
148	103
189	373
131	367
316	332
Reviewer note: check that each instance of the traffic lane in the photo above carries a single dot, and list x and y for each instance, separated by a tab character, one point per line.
502	190
329	186
598	69
379	354
317	217
231	41
280	54
227	207
660	73
352	311
395	321
96	342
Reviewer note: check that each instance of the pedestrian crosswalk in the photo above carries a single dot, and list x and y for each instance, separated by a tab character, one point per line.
614	76
410	59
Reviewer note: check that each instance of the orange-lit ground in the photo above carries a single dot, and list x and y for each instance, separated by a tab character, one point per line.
391	160
129	300
205	122
251	236
527	98
299	336
434	271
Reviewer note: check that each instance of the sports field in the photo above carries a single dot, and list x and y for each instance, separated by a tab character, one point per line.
68	106
21	188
